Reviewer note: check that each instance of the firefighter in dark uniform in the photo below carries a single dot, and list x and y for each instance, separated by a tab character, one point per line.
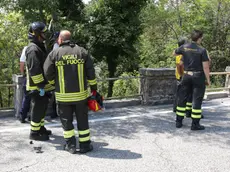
179	72
70	67
196	69
37	86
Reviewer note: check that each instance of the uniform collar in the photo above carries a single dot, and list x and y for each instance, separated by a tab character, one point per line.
65	43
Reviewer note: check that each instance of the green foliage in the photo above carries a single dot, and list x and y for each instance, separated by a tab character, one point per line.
164	22
122	35
127	87
113	28
13	39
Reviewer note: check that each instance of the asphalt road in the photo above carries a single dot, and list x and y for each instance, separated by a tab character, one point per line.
132	139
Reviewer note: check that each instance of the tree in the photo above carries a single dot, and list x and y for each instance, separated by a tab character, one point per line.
13	38
113	28
165	21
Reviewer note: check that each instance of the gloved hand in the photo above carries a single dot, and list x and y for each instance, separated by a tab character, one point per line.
42	92
97	97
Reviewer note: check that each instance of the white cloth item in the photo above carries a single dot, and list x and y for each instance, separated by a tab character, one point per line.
23	55
55	46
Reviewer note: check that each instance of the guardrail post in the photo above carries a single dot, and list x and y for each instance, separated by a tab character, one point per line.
227	81
18	93
157	85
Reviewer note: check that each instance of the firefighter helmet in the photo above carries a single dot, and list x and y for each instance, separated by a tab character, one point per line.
36	28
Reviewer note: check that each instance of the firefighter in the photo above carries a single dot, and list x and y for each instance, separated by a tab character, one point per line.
70	67
179	73
196	69
37	86
26	98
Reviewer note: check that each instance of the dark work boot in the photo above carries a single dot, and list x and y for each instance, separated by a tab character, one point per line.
38	136
43	130
71	145
85	147
179	120
196	125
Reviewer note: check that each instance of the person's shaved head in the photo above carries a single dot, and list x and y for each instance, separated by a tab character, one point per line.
65	35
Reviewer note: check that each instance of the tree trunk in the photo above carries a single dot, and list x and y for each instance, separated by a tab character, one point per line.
112	69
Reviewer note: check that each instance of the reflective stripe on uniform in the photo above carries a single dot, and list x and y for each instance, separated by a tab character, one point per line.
196	113
84	139
43	122
188	106
81	76
197	110
180	114
84	135
181	108
51	82
61	79
196	116
48	87
71	97
35	126
92	82
68	134
37	78
83	132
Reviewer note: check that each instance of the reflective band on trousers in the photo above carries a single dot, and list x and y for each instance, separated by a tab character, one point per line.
72	97
196	116
35	126
84	139
83	132
43	122
68	134
197	110
189	104
181	108
188	108
84	135
180	114
196	113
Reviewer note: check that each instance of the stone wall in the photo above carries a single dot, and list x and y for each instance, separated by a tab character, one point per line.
157	86
18	93
18	80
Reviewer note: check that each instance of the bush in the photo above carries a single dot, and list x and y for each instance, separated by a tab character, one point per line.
126	87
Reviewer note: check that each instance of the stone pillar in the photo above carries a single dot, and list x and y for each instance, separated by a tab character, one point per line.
227	81
18	93
157	86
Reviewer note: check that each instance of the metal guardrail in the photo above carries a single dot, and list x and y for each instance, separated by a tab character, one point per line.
219	88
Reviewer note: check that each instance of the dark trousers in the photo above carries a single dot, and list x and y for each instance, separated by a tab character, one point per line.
195	84
39	106
25	102
188	103
66	111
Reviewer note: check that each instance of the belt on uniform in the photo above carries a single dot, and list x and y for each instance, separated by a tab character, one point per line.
192	72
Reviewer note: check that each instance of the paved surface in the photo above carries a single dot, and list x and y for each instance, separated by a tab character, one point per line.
133	139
